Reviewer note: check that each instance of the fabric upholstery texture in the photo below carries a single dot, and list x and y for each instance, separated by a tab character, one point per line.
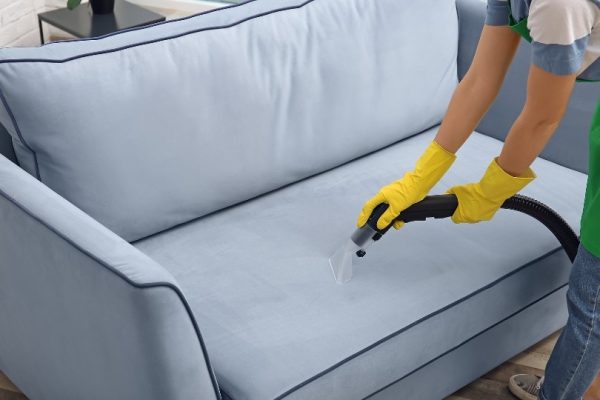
265	101
501	342
320	83
278	326
84	314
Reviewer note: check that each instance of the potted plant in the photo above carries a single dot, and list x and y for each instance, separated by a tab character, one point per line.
98	6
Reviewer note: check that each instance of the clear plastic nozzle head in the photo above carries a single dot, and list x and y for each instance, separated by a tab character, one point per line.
342	260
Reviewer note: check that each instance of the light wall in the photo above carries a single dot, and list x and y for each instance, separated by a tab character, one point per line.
19	25
18	21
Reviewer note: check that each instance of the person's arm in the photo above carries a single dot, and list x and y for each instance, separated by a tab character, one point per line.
471	100
547	100
480	86
560	32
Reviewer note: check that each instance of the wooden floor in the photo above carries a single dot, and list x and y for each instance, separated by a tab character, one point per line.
492	386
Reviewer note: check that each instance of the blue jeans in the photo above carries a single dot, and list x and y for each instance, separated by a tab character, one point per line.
575	361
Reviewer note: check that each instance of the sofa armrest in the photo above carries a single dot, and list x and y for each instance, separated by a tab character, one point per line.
569	146
85	315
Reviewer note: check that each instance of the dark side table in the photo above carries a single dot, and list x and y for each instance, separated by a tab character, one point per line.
82	23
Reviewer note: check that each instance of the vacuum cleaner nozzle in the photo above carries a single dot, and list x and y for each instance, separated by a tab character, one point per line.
442	206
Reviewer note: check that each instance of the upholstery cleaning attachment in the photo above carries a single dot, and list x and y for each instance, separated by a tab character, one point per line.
442	206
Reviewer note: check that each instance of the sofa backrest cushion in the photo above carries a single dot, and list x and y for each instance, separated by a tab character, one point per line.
150	128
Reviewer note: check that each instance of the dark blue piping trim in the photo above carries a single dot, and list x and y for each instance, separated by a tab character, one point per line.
18	131
132	283
116	49
470	339
137	28
419	321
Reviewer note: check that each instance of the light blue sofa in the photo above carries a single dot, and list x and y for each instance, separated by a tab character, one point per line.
169	198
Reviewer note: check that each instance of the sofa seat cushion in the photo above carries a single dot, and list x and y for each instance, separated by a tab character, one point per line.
278	326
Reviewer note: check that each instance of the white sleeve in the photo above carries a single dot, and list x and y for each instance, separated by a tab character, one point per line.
560	30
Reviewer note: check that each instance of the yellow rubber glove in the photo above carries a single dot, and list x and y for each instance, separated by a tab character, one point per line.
412	188
480	201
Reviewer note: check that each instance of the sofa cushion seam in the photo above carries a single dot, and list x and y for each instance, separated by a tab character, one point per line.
128	280
17	129
285	186
478	334
415	323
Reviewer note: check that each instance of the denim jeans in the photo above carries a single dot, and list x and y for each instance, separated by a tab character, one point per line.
575	361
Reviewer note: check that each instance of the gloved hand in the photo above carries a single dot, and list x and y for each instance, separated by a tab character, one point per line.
480	201
412	188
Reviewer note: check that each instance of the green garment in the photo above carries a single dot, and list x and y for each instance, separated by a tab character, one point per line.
590	220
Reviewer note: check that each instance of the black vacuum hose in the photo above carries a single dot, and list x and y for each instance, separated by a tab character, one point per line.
443	206
550	218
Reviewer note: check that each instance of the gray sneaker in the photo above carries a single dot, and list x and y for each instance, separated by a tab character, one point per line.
525	386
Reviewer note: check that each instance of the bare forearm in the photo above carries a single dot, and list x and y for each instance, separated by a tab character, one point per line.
547	100
524	143
469	104
480	86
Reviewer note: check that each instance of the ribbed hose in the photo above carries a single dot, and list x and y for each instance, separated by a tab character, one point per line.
551	220
445	205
